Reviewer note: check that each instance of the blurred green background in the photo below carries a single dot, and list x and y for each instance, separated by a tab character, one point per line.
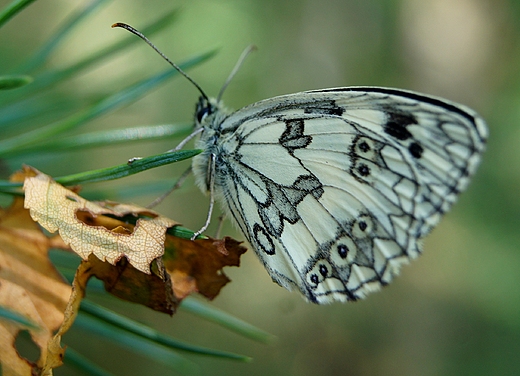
455	310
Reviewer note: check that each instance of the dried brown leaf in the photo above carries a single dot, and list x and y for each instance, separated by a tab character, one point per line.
29	285
55	352
126	257
124	281
196	266
89	228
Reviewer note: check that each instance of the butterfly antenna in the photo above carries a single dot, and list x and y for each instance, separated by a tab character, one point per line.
237	66
141	35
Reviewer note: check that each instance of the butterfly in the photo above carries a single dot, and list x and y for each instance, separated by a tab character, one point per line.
335	188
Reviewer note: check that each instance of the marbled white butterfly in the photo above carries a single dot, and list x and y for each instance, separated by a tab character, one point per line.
335	188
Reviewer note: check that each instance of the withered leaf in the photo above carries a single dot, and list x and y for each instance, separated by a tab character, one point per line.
123	246
196	266
89	228
124	281
29	285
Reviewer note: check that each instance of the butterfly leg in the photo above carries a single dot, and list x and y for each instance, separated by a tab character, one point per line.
220	224
186	140
211	185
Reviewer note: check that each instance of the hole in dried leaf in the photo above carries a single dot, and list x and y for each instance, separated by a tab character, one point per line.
86	217
105	221
26	347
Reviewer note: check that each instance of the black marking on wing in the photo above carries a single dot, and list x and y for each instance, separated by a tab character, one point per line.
397	122
283	201
416	149
324	107
405	94
293	138
263	239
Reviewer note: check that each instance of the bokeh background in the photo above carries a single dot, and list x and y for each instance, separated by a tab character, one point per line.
455	310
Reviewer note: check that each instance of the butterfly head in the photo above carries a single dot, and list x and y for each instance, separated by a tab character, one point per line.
209	113
204	108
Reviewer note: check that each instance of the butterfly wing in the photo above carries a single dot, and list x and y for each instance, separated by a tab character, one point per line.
334	188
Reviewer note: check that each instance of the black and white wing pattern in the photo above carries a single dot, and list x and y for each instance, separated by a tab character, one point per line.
335	188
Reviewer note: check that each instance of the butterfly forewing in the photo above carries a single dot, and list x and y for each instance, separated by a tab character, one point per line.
334	188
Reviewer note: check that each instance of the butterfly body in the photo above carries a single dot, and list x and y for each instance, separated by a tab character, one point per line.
335	188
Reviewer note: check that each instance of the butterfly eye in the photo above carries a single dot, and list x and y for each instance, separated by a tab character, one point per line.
203	109
202	113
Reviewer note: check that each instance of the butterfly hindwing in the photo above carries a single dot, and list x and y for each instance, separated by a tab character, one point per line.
334	188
